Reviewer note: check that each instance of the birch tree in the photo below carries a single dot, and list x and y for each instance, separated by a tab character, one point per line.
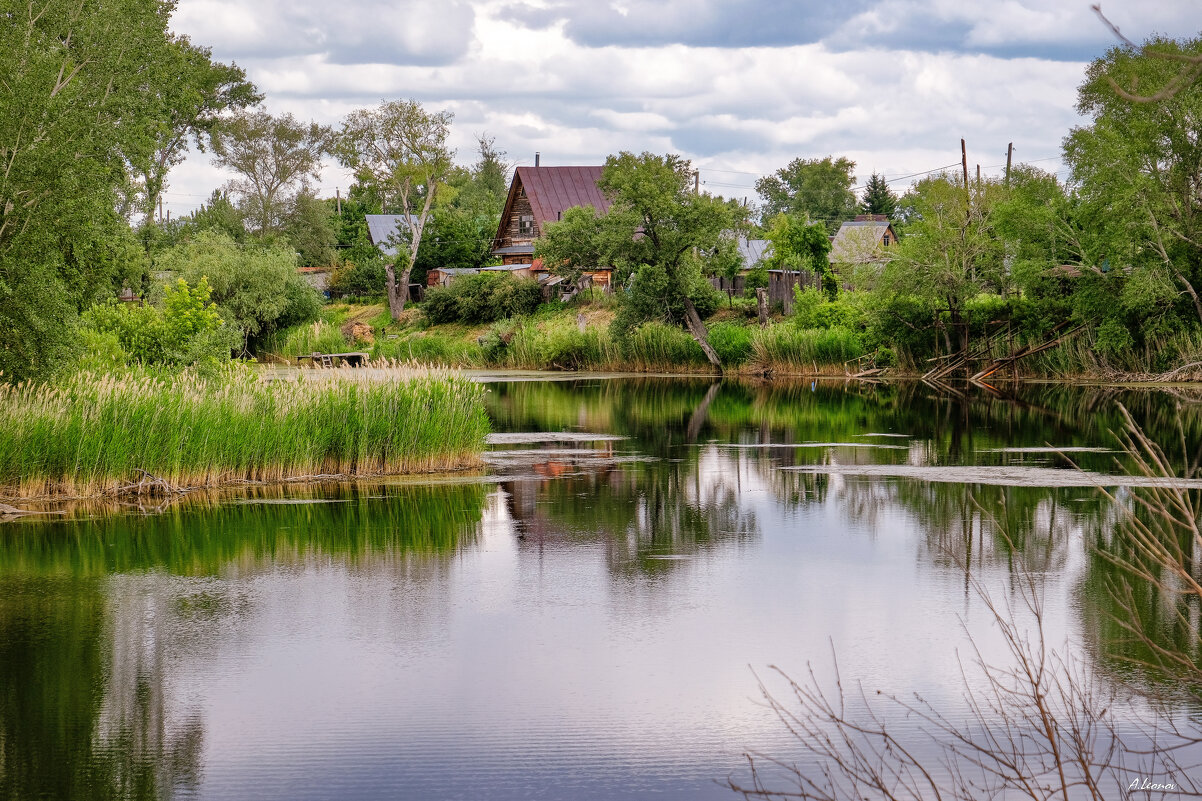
400	149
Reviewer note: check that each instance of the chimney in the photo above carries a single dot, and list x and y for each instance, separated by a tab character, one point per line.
536	158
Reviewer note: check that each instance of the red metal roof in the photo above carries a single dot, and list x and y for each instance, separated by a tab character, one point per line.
554	190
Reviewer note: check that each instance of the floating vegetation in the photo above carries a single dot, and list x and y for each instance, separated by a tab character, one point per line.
1048	449
540	437
1000	476
758	445
148	433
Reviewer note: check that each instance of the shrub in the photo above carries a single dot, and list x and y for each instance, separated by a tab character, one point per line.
187	330
257	288
482	298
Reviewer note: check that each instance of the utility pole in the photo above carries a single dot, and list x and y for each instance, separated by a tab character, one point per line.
978	177
696	182
338	197
160	208
964	161
1009	156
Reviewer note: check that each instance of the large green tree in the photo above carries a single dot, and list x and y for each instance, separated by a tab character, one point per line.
274	158
1138	166
400	150
658	235
952	252
77	108
878	198
817	188
190	92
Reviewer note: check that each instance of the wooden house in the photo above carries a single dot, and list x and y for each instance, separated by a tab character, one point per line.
538	196
863	240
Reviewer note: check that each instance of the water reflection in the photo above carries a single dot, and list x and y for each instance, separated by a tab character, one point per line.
578	619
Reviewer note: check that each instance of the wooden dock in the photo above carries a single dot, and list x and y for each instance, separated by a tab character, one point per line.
353	359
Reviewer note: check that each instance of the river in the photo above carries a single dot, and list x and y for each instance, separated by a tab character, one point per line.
585	618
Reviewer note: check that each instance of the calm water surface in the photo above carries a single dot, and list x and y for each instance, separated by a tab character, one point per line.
580	620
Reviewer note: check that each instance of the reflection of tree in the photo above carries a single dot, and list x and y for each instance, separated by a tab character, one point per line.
92	612
58	737
644	512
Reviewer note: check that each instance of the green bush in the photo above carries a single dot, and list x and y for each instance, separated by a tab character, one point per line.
731	341
482	298
187	330
256	288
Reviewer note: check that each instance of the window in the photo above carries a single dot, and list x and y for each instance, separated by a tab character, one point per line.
526	225
886	239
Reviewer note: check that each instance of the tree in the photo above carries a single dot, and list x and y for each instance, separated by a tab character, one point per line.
191	92
658	235
274	157
878	197
798	244
255	287
817	188
76	108
401	151
951	253
309	228
1139	165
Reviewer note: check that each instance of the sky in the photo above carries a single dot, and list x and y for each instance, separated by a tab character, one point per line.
741	87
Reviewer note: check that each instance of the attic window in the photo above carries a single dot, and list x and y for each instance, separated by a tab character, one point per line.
526	225
886	239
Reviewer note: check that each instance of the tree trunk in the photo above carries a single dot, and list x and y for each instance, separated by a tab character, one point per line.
1189	289
697	329
395	306
761	302
402	292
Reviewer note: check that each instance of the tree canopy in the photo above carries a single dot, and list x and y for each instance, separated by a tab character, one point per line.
400	150
658	235
817	188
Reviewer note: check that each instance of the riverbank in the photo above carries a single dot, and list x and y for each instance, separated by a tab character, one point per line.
146	433
577	337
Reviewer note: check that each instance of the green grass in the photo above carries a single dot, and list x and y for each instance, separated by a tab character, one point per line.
430	348
91	434
785	347
657	346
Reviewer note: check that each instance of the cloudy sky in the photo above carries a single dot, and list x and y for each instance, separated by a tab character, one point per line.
739	86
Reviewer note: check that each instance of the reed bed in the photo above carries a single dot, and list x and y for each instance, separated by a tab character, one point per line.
98	434
786	347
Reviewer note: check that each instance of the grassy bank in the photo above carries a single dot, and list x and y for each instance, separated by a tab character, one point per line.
552	339
91	435
828	341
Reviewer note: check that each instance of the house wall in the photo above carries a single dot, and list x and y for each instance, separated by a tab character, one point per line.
521	207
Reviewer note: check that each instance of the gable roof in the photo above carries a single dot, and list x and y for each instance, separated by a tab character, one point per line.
553	190
753	251
853	238
381	227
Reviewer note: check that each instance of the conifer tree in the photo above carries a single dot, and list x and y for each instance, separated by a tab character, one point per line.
878	197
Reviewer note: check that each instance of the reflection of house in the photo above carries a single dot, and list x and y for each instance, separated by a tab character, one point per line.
540	195
862	240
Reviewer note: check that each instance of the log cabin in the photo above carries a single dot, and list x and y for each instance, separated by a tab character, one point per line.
538	196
